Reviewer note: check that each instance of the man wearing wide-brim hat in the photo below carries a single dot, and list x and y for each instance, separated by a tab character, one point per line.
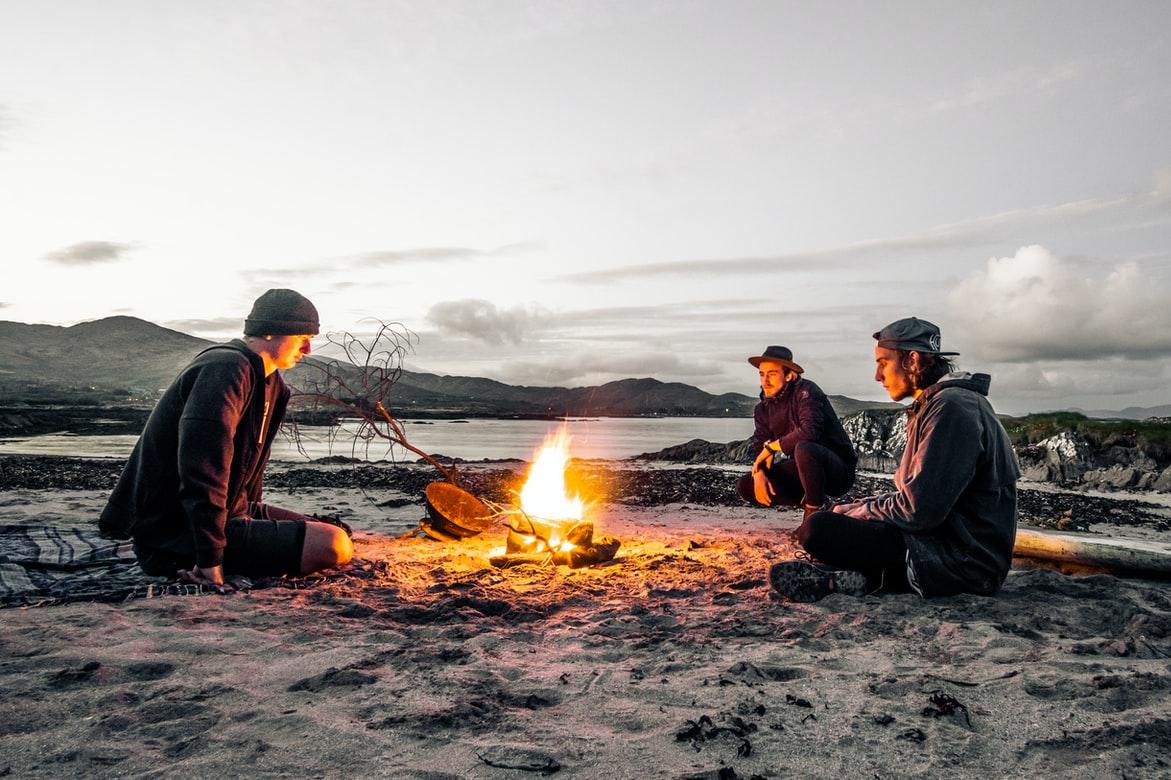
949	525
802	452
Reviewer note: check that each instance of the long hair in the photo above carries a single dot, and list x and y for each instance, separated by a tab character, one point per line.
932	368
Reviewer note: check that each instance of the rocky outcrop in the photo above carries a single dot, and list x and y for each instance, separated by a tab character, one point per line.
879	438
1062	458
1068	459
701	451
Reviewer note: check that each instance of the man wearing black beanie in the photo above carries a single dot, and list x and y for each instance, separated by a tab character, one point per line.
190	495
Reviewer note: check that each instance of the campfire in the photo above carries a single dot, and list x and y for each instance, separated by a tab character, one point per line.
550	524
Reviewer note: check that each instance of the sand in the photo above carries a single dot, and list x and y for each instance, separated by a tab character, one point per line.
422	661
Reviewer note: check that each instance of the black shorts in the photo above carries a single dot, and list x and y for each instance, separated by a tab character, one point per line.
260	546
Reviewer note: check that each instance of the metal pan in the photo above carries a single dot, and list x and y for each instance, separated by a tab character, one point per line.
453	513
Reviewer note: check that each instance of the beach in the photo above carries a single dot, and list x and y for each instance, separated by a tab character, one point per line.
421	660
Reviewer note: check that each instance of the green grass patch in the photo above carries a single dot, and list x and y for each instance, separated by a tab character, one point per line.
1153	438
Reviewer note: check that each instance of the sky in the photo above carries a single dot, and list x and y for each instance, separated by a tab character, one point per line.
566	193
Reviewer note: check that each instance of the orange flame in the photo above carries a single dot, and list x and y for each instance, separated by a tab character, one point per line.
546	502
544	494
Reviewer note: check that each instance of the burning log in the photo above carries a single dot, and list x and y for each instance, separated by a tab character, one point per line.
548	526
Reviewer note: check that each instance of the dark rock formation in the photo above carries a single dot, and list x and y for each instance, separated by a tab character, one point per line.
879	438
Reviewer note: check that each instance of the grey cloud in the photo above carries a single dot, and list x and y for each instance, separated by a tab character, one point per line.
216	326
480	319
1032	307
1151	205
391	257
90	253
945	237
1103	380
438	254
1021	81
593	367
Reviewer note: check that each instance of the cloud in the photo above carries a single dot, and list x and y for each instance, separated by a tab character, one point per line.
1035	306
1149	207
480	319
438	254
599	367
1029	81
90	253
217	326
1019	388
366	261
947	236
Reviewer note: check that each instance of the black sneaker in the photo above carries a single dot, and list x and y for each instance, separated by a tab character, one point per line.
804	581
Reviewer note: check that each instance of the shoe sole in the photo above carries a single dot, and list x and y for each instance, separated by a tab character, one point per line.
805	582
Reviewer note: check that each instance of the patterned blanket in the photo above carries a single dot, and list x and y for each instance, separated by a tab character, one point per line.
47	565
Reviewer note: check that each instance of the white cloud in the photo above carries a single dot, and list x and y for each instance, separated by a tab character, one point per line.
480	319
1036	306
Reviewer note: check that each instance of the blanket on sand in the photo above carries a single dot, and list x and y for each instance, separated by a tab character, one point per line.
42	565
52	565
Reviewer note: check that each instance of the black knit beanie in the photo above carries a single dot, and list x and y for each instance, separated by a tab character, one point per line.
282	312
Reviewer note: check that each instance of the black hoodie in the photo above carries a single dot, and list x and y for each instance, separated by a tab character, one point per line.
956	496
201	457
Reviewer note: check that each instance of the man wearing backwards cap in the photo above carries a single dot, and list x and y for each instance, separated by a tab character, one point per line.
190	493
950	524
804	453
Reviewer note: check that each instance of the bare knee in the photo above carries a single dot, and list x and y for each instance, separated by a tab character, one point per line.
326	547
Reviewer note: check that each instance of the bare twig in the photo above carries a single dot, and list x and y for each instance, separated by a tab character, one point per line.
358	387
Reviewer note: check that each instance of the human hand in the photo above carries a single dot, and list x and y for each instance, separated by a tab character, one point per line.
856	509
762	488
763	461
210	577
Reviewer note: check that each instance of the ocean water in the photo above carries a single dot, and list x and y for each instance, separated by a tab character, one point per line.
595	437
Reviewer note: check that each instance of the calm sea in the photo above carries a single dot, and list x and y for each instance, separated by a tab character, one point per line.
605	437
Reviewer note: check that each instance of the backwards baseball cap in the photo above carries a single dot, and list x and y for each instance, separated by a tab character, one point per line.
911	334
280	312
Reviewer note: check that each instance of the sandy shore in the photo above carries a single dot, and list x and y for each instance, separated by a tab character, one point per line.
423	661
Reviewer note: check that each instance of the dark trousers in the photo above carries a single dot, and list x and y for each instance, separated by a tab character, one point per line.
875	548
267	542
811	474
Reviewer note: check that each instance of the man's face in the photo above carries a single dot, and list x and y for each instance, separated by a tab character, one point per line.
772	378
287	350
889	371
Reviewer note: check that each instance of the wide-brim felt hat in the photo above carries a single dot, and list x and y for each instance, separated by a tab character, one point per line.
775	354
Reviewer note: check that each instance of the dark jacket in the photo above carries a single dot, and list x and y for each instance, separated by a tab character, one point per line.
201	457
956	496
800	412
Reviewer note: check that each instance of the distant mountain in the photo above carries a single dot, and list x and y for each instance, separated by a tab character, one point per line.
116	358
1129	413
128	360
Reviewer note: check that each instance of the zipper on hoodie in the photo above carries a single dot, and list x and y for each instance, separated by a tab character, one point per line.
263	424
